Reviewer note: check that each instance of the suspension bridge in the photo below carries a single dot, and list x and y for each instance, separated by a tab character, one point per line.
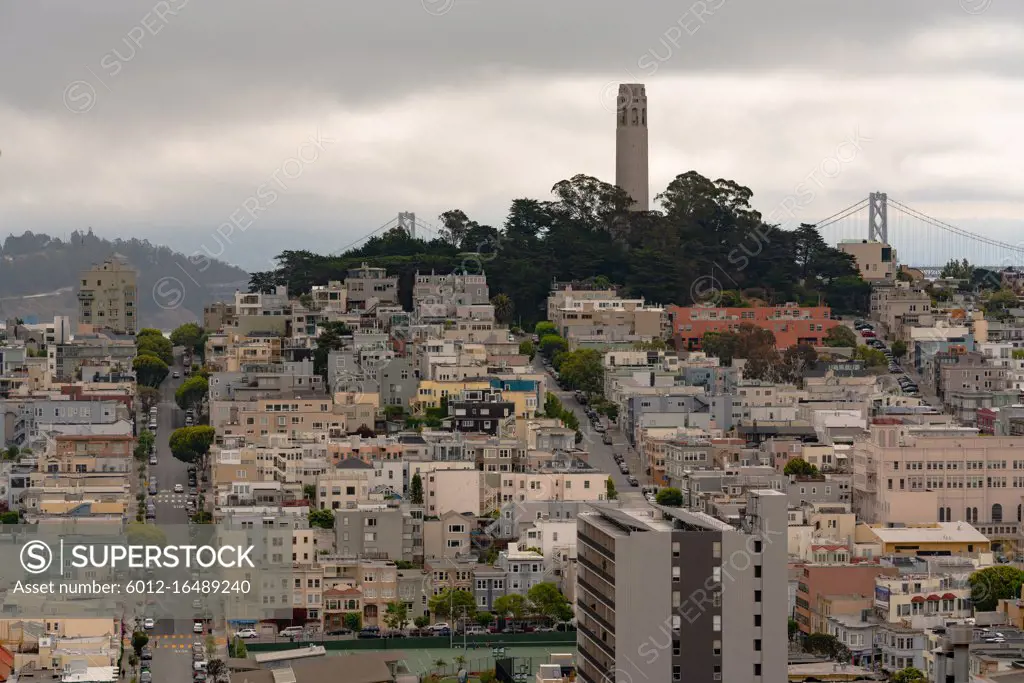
919	240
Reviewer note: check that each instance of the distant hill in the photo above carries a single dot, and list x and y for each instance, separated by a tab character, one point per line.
38	276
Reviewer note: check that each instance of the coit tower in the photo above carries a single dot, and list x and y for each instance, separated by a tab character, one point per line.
631	143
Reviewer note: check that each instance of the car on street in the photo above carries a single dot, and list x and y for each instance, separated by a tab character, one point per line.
188	421
247	633
440	626
152	460
153	489
339	632
632	481
149	624
147	653
197	627
175	374
290	632
192	491
370	632
606	439
178	488
146	677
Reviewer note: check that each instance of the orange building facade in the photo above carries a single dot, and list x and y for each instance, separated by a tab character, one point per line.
791	324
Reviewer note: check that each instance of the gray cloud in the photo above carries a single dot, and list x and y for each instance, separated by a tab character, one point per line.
181	118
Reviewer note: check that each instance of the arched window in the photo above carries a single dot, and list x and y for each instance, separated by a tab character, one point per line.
942	514
1018	512
949	514
974	515
643	115
636	117
997	513
622	115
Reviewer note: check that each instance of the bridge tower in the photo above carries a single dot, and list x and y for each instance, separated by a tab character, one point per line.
407	222
878	217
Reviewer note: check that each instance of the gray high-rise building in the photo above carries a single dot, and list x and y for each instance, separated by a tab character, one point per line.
669	594
631	144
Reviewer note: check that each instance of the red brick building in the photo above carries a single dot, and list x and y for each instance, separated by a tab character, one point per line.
833	579
791	324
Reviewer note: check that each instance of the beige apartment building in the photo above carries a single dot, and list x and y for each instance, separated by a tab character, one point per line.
519	487
256	420
900	309
609	319
876	261
368	285
230	351
462	490
344	486
920	474
108	297
447	535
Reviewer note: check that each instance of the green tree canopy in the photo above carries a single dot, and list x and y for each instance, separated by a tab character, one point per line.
513	605
551	344
323	519
899	349
908	675
189	335
416	490
872	358
547	601
150	370
526	348
191	393
841	336
443	604
191	444
669	496
544	328
609	487
396	615
992	584
155	345
800	467
504	308
583	369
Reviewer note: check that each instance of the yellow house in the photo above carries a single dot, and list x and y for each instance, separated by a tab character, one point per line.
431	391
937	538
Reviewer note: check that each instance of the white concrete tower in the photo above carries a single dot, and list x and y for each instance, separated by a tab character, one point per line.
631	144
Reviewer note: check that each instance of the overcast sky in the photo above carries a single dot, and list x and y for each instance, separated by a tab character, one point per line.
161	120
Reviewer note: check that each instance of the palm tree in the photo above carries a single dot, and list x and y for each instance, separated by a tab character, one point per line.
503	308
440	664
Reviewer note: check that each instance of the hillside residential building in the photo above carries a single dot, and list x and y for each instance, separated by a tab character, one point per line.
791	324
725	619
108	298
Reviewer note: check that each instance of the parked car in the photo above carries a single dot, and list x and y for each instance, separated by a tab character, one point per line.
149	624
867	334
146	677
178	488
606	439
475	630
290	632
197	627
632	481
370	632
147	653
339	632
247	633
440	626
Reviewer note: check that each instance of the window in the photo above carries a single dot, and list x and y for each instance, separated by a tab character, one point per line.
757	620
757	571
757	596
757	669
716	622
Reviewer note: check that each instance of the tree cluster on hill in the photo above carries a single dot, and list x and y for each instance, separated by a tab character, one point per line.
587	232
